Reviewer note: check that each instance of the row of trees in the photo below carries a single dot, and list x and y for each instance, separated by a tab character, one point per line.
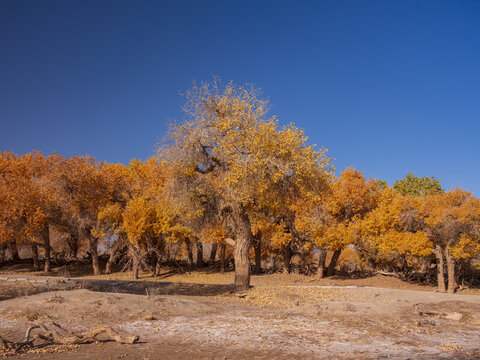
229	174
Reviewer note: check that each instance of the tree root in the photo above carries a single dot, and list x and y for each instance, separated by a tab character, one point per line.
54	334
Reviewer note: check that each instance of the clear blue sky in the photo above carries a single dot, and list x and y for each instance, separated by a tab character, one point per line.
387	86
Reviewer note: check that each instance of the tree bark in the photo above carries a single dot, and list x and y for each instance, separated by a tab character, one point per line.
14	251
258	253
199	246
333	262
158	256
440	268
322	257
93	242
36	265
213	253
243	239
452	284
287	257
114	251
135	262
188	243
72	243
222	257
2	252
158	265
46	247
242	263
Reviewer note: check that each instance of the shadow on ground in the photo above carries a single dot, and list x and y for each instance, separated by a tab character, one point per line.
153	288
12	286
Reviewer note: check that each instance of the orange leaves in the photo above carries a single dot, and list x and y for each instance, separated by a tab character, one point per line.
352	195
456	204
25	204
214	233
416	243
335	222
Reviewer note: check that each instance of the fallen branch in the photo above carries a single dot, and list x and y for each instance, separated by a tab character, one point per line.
55	334
392	274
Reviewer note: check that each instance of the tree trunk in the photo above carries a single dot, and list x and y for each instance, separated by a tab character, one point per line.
287	257
93	242
333	262
242	264
14	251
188	243
135	262
403	264
46	247
243	239
2	252
36	265
114	251
440	268
158	265
199	246
258	253
222	258
72	243
213	253
322	257
452	284
158	256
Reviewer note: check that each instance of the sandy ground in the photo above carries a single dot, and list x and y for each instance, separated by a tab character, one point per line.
288	320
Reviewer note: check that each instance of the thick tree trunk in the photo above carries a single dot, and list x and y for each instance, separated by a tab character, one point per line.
94	253
243	239
440	268
222	257
333	262
46	247
188	243
199	246
36	265
213	253
452	284
258	253
242	263
14	251
322	257
287	257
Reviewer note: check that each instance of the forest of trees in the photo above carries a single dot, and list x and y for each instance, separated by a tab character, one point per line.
232	177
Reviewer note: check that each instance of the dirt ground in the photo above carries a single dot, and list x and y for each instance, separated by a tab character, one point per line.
281	317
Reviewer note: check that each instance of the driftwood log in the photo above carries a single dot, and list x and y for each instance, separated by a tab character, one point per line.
54	334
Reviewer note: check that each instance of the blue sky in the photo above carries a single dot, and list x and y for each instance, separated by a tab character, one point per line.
387	86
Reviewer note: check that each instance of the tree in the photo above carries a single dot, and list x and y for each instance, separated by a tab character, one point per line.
81	190
28	207
334	224
452	221
395	227
235	154
415	186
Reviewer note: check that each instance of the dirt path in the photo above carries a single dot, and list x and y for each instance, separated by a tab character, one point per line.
268	322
